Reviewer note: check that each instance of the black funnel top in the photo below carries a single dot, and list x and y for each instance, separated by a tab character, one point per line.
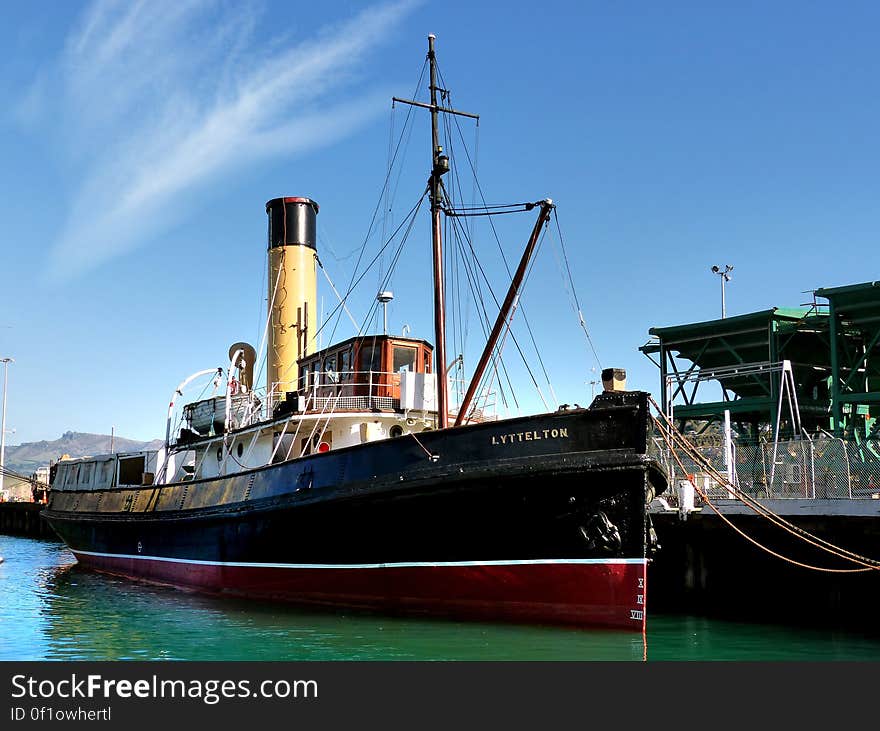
292	222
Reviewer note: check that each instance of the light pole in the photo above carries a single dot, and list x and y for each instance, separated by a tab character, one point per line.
725	277
5	362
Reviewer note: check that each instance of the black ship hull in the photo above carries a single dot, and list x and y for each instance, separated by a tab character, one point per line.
539	519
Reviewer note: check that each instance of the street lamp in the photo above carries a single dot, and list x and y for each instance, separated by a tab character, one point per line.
5	362
725	277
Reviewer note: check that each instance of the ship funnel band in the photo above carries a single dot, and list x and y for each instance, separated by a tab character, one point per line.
292	222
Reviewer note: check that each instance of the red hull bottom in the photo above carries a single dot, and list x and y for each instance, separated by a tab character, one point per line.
587	593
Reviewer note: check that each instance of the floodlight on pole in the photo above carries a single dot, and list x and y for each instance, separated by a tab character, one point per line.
725	277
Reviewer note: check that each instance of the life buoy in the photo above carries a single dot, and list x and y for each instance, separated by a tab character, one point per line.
233	387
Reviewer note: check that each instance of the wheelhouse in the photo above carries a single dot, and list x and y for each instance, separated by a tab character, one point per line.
379	372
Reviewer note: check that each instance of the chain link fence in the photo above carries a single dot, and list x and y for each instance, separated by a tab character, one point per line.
823	467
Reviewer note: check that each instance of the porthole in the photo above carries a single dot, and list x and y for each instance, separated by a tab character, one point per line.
396	430
219	454
240	450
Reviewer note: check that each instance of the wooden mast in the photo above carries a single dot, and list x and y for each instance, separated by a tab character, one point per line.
440	165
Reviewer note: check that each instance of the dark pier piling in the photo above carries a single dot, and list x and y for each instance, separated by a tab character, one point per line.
24	519
704	567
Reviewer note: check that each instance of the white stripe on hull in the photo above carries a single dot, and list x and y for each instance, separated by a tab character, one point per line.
413	564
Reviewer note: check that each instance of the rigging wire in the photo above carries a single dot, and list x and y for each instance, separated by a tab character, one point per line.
264	294
487	326
464	233
519	349
451	265
509	322
484	207
335	291
580	312
406	131
458	214
264	361
479	301
369	266
498	240
363	247
373	310
485	322
411	217
385	209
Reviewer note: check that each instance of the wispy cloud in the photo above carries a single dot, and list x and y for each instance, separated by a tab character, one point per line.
160	97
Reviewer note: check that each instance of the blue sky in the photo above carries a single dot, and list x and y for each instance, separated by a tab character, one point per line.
140	142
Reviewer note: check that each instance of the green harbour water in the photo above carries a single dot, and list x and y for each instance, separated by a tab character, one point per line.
50	609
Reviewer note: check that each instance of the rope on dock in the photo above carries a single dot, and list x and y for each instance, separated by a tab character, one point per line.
670	434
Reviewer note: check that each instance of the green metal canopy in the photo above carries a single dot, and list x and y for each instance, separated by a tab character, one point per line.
855	330
834	354
797	334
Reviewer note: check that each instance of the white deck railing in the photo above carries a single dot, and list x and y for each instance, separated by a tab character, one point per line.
325	393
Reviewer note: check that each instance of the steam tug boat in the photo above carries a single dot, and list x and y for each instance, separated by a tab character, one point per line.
351	481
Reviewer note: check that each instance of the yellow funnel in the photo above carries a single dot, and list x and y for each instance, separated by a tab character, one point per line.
292	290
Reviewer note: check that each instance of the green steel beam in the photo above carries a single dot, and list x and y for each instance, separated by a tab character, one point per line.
756	404
773	355
715	408
859	397
663	374
863	359
836	412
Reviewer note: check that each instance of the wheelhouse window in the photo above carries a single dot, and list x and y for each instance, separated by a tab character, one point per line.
345	365
371	357
330	374
304	376
403	359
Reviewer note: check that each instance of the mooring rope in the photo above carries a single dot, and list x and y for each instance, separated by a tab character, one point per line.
667	428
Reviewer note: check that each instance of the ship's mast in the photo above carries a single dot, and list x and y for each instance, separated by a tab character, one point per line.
439	167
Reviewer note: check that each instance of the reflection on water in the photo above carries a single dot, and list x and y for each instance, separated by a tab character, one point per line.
52	609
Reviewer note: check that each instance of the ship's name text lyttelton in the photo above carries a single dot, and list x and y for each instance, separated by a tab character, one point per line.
530	436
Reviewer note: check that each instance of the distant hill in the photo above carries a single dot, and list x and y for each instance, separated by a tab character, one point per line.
26	458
